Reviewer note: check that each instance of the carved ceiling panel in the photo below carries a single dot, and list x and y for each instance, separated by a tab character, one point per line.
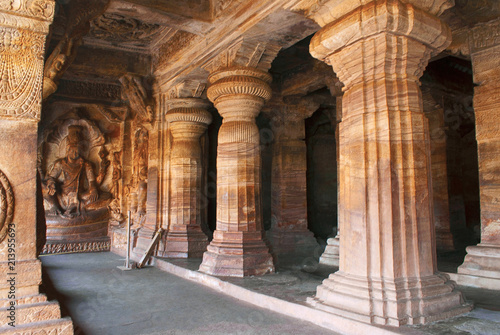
119	31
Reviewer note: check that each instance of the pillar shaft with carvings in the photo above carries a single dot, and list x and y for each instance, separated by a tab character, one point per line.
483	261
23	29
188	120
435	114
387	272
238	248
289	231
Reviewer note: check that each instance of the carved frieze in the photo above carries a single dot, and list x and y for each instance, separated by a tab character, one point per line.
187	89
244	53
90	90
484	36
126	31
40	9
6	205
169	51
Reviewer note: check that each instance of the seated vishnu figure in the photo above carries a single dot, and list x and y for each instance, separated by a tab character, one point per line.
71	183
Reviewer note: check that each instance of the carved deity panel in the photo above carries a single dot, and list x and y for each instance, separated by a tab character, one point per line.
75	165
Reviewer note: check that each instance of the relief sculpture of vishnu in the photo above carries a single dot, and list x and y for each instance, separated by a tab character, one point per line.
71	183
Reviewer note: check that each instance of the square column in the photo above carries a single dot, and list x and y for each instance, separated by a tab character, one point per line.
24	26
289	233
188	120
482	262
435	114
238	248
387	273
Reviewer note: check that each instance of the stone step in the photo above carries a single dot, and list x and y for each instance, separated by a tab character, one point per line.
59	326
32	313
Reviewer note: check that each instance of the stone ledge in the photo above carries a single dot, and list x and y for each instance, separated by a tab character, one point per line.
298	311
475	281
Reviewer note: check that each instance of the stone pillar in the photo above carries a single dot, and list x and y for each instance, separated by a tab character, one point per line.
289	233
331	255
23	29
387	273
152	217
483	261
238	248
188	120
435	115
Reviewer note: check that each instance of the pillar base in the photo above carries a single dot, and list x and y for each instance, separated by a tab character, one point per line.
444	241
393	303
185	244
331	255
482	261
32	313
237	254
286	241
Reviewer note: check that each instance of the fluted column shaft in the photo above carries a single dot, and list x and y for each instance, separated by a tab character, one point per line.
185	237
387	272
289	231
237	248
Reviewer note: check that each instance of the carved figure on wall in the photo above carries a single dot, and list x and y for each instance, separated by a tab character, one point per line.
138	194
71	183
103	166
77	26
116	216
137	97
76	177
117	175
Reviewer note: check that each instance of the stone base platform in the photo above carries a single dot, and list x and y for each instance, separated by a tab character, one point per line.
287	290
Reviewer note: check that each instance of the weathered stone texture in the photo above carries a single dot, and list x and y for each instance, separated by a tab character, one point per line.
187	123
437	131
385	196
289	232
483	260
238	248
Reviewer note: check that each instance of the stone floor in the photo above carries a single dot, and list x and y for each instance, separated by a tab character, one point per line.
295	280
104	300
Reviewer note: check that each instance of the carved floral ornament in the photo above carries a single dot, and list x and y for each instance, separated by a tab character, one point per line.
21	59
6	205
43	9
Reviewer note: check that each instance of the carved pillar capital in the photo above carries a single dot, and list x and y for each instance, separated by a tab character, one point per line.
387	24
23	28
327	11
188	117
239	92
